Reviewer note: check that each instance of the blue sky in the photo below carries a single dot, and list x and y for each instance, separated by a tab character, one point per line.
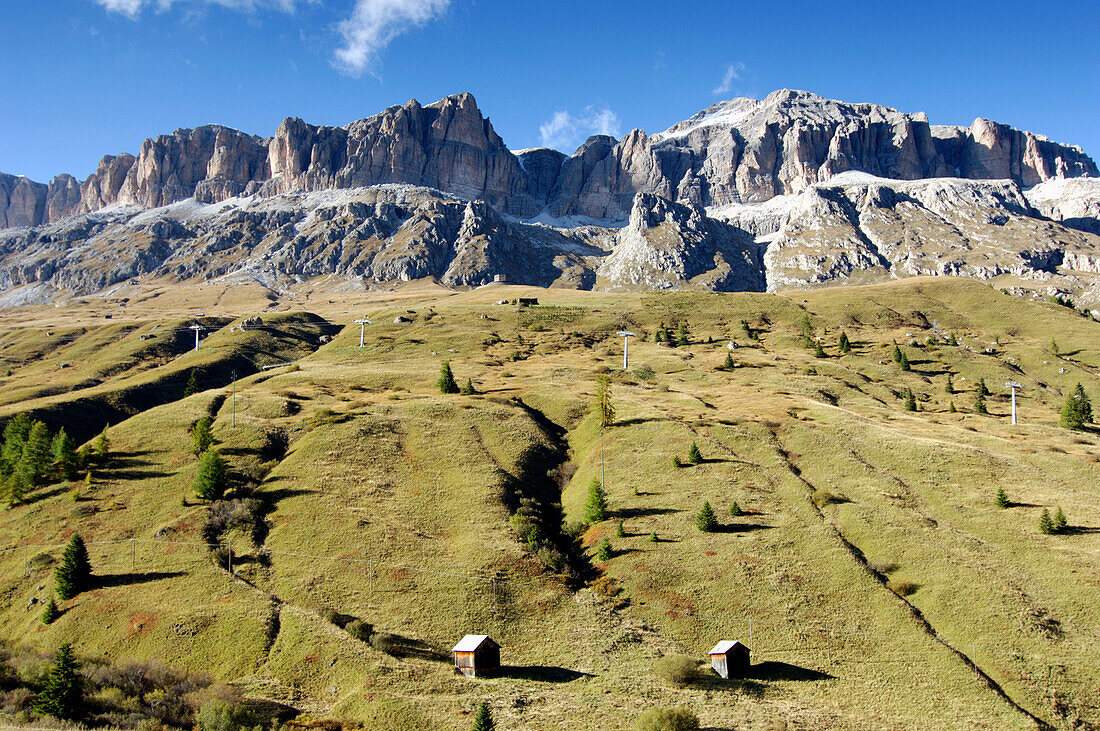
83	78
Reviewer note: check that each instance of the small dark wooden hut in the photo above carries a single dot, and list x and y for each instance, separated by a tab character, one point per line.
477	656
730	659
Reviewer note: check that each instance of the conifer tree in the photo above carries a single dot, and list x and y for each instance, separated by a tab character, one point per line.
1002	498
982	389
595	509
468	389
735	510
51	612
446	380
15	436
74	574
1060	521
1046	525
903	363
64	454
605	409
603	551
193	386
653	536
102	445
694	455
952	340
83	457
729	365
705	519
819	350
950	388
682	334
845	344
1077	409
36	452
620	531
951	408
61	696
202	435
483	719
896	353
910	400
210	481
979	404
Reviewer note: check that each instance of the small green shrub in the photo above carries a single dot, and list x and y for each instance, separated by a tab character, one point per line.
676	670
359	629
667	719
902	588
735	510
1002	500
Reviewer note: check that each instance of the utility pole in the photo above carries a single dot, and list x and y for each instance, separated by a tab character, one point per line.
362	328
1013	385
197	327
626	335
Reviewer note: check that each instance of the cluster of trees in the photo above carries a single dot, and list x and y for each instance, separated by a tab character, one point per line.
664	335
31	456
447	383
212	478
901	358
1050	526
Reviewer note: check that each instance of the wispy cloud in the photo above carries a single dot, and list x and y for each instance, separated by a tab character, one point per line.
566	132
133	8
374	23
733	73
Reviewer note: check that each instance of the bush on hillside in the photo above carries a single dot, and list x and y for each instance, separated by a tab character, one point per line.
677	670
667	719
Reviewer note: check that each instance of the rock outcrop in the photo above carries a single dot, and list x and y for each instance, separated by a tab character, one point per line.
741	151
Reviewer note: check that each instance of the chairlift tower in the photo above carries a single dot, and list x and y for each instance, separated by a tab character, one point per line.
362	323
1013	385
626	336
197	328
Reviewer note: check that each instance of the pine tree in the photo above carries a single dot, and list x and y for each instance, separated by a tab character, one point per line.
979	404
951	408
595	509
193	385
102	445
819	350
694	455
74	574
653	536
202	435
446	380
15	436
729	365
19	483
64	454
1002	500
51	612
845	344
483	720
982	388
952	340
950	388
735	510
83	457
605	408
903	363
210	480
910	400
682	335
36	453
468	389
1046	525
61	696
1054	346
603	551
1077	409
705	519
1060	521
620	531
659	336
897	354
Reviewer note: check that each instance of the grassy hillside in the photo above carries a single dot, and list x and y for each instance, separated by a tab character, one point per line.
871	571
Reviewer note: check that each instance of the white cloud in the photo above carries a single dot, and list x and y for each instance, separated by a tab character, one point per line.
565	132
374	23
733	73
133	8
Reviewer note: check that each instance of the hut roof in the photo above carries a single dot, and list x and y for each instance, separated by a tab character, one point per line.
469	643
725	646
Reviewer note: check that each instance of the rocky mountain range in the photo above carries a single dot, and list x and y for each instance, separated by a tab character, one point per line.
792	190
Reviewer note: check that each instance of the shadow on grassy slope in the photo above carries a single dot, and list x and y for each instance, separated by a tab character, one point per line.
542	673
109	581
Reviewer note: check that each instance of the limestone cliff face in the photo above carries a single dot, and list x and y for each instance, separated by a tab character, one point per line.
735	152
